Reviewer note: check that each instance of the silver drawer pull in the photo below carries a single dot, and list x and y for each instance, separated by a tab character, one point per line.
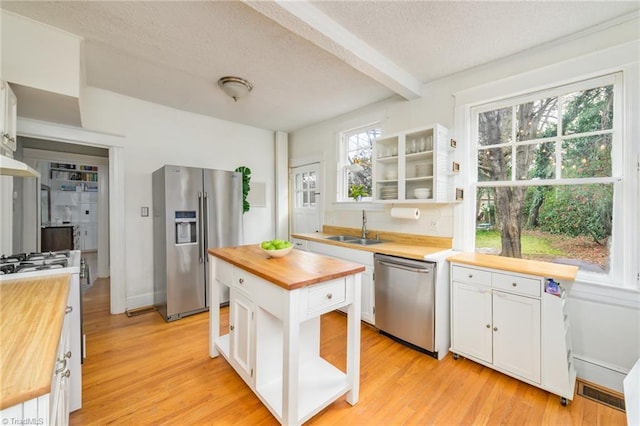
241	280
64	366
329	296
231	327
68	354
68	309
514	284
66	373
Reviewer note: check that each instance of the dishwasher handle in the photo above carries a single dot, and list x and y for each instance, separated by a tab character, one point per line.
405	267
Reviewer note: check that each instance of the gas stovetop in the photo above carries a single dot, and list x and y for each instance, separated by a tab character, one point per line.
29	262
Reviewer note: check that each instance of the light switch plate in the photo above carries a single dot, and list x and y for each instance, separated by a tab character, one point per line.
144	211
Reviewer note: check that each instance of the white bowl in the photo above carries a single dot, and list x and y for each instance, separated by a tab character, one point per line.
422	193
278	253
391	174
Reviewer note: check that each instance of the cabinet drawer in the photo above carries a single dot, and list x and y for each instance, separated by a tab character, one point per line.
323	297
516	284
470	275
224	271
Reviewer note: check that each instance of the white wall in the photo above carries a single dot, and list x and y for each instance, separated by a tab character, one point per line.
605	320
155	135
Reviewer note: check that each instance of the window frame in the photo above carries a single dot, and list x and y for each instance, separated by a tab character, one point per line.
342	173
617	178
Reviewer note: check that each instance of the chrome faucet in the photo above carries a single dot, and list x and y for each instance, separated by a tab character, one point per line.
364	224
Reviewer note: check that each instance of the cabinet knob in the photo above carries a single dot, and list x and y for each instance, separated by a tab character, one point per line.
67	373
514	284
329	296
231	327
68	354
495	328
241	280
470	275
488	325
68	309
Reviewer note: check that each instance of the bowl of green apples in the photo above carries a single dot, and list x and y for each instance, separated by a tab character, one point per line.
276	248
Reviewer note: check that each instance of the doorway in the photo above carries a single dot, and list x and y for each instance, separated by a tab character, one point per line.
116	247
77	179
307	196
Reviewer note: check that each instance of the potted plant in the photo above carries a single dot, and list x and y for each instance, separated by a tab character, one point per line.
357	192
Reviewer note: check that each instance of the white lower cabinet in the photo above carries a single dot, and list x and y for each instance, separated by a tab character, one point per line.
507	321
241	334
365	258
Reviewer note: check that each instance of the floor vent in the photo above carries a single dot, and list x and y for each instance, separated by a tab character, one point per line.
601	395
140	311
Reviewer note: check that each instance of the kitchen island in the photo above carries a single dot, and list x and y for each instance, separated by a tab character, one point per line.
274	326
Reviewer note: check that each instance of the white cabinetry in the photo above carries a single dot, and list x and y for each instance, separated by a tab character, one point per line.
8	118
300	244
508	322
74	199
364	258
406	161
241	334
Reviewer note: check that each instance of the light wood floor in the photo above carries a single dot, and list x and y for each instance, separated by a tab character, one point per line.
143	371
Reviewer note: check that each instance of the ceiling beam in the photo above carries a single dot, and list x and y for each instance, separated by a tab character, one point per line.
308	22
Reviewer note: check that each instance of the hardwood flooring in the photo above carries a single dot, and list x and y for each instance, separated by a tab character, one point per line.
140	370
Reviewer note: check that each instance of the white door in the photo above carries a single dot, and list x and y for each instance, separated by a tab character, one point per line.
516	335
241	335
307	193
471	321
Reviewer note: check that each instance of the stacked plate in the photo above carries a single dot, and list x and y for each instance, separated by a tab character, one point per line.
389	193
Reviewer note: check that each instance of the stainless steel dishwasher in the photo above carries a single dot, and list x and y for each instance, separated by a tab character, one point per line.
405	300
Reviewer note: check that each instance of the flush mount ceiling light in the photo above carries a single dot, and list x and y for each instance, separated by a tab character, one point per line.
235	87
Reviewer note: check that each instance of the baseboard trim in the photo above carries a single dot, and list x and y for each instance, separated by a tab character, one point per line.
592	371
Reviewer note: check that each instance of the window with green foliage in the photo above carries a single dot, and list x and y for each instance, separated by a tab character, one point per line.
546	180
354	166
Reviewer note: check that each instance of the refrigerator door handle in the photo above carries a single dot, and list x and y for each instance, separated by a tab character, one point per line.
200	222
205	228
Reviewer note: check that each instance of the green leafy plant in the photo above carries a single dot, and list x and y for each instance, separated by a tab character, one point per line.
357	192
246	179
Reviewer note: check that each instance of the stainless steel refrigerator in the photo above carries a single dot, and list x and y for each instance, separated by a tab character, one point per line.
193	210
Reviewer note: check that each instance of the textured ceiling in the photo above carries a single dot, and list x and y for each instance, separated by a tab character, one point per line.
308	61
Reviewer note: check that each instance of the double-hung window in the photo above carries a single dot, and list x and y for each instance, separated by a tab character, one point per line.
355	150
549	174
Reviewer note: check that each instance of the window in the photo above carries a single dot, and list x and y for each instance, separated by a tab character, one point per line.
354	164
546	174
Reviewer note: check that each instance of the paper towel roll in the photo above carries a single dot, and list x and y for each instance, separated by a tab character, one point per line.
405	213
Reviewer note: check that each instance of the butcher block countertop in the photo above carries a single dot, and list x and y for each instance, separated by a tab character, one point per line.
522	266
410	246
33	311
295	270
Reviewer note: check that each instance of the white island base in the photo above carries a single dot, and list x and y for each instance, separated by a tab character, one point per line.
274	338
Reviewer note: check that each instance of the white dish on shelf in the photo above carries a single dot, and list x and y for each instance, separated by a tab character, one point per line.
422	193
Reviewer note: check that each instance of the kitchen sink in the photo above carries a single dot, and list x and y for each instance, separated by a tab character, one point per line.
342	238
364	241
350	239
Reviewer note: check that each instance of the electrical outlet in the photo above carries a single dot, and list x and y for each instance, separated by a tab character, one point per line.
433	225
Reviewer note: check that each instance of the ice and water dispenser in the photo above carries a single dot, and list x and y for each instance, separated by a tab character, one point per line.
186	231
